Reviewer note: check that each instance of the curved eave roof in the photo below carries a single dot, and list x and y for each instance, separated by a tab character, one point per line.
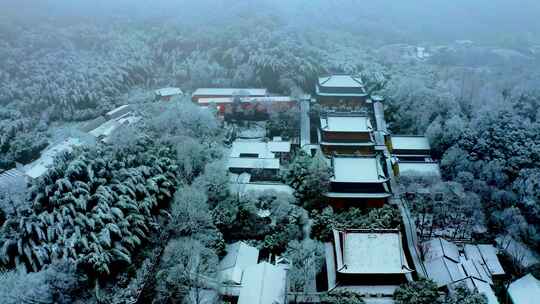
357	195
347	144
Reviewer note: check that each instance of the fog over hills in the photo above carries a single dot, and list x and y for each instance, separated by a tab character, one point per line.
269	151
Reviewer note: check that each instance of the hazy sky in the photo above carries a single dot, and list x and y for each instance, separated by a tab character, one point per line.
418	19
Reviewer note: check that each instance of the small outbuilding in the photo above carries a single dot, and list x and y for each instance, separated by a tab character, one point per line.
410	147
525	290
239	257
46	161
166	94
264	283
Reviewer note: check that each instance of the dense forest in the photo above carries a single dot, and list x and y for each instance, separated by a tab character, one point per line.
92	229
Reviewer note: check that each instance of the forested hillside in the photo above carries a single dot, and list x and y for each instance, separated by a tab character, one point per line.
160	189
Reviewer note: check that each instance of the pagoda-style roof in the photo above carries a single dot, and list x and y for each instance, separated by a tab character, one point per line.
341	85
370	252
357	170
346	124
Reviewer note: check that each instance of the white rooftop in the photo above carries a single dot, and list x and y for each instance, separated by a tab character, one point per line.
421	168
250	147
230	92
357	170
254	99
106	129
444	271
263	283
476	270
239	257
253	163
277	145
438	248
346	124
341	81
373	253
486	254
12	181
41	165
169	92
410	143
259	188
117	110
525	290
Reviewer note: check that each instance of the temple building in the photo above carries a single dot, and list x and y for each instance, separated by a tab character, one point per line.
346	134
412	156
341	91
245	281
410	147
366	261
476	266
249	106
227	93
358	182
260	159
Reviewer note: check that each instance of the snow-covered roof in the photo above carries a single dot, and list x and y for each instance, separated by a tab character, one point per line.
253	163
240	147
12	181
277	145
262	149
357	170
253	99
341	81
357	195
107	128
263	283
41	165
485	254
169	92
438	248
444	271
230	92
341	85
525	290
410	143
376	252
118	111
423	168
239	257
259	188
346	124
480	285
447	267
477	270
